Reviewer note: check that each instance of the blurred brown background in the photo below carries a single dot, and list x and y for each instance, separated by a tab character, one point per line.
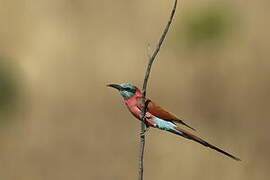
58	120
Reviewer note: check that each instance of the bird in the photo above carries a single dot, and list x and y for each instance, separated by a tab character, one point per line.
157	117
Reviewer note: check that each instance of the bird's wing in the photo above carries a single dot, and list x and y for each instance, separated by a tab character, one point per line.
163	114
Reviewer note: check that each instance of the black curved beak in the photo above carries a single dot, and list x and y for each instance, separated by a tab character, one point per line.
116	86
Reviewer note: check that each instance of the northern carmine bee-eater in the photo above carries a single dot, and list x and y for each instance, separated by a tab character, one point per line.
157	117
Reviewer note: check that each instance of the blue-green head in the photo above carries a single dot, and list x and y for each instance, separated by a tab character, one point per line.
126	90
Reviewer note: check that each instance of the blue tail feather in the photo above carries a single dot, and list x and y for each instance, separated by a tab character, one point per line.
167	126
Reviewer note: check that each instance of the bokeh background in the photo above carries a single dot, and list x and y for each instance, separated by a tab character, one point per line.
58	120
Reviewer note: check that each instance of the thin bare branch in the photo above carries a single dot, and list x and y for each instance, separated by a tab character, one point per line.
151	60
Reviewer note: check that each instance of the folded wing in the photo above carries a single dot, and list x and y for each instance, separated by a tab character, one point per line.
163	114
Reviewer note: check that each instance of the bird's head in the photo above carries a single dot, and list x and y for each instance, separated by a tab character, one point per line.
125	89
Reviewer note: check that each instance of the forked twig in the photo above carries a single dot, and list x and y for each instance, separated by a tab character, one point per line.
151	60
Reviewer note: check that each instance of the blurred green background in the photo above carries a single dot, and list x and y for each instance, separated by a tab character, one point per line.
58	120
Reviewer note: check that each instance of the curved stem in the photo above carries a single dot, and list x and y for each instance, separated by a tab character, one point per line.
151	60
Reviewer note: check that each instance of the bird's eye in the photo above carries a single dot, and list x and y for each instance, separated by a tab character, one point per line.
130	90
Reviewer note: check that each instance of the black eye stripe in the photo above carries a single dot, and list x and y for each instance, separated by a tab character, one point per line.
129	90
